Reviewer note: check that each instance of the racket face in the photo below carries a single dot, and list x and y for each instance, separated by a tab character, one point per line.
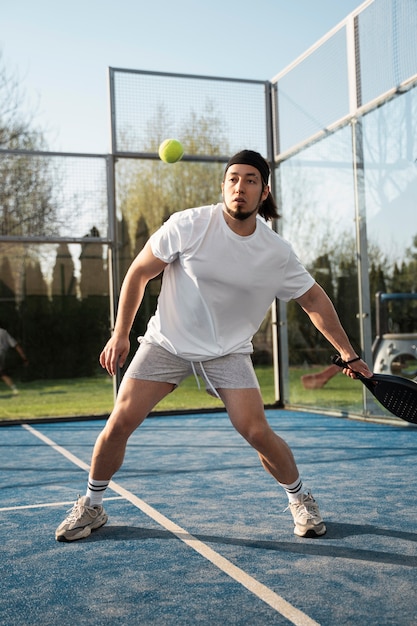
396	394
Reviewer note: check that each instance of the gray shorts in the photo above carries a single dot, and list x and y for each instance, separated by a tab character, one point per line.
233	371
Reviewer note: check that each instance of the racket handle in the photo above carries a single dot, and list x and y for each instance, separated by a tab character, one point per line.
337	360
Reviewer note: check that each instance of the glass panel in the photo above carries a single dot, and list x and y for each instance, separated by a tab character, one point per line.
314	94
55	304
390	142
318	218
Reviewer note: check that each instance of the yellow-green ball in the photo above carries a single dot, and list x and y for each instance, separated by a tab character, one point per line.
170	151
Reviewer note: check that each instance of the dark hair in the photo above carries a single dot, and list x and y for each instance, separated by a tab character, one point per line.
268	209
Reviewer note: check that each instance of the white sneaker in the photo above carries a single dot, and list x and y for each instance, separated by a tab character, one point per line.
307	519
82	519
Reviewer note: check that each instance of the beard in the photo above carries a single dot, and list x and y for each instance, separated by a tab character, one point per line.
239	214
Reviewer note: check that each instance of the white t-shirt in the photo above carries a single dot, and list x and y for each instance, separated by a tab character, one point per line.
218	285
6	342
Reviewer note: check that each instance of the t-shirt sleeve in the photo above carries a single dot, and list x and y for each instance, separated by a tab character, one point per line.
297	279
168	241
181	232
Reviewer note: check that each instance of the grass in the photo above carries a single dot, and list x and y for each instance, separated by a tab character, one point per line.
57	398
94	396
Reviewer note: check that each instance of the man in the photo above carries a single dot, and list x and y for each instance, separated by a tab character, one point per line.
223	267
6	342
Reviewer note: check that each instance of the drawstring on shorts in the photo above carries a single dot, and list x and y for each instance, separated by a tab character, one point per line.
206	378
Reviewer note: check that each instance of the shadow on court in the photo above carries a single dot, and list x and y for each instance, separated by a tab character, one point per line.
197	531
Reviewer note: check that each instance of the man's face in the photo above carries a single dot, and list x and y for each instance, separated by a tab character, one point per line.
243	191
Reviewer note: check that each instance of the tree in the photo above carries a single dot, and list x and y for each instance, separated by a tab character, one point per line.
25	182
150	191
63	279
402	314
27	206
94	280
16	128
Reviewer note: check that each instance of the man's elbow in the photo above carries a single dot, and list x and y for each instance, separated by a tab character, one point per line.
310	297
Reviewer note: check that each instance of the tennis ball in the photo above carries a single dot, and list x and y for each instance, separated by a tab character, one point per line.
170	151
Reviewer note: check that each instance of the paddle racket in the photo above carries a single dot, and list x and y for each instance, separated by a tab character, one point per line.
398	395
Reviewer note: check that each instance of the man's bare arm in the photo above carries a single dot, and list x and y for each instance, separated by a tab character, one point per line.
145	267
318	306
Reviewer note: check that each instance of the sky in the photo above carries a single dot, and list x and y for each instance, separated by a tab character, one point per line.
60	51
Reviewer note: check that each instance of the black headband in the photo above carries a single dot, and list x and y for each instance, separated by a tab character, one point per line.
249	157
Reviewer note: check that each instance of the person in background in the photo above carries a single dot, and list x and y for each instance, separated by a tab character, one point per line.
7	342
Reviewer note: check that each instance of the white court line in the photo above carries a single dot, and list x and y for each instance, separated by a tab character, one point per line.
294	615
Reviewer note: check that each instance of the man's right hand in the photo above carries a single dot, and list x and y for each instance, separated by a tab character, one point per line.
114	353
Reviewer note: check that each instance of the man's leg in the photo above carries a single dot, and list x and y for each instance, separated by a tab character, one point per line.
135	400
246	412
9	382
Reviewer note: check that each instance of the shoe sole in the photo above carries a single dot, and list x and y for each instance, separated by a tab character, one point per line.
84	532
310	533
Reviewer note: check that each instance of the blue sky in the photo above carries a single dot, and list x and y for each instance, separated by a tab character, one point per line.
60	51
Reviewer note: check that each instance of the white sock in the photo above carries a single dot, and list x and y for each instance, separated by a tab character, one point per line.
95	490
294	490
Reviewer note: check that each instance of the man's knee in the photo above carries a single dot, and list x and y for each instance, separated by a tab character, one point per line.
120	425
255	433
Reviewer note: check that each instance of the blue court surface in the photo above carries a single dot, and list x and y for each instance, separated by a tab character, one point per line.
197	531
